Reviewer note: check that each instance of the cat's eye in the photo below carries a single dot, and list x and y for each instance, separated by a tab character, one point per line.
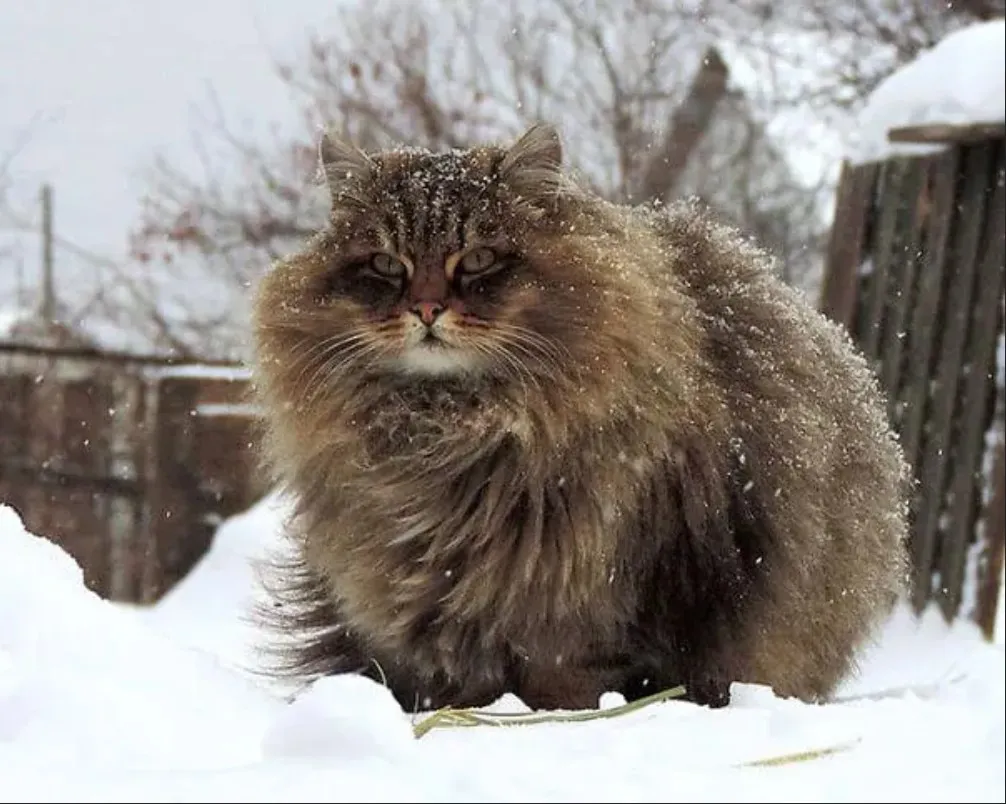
387	266
478	261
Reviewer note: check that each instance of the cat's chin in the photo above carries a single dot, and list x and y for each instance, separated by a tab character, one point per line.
428	360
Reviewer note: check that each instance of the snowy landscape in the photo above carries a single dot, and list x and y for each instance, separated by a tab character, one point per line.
100	702
103	701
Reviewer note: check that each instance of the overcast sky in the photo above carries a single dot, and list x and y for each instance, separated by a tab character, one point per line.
109	82
95	89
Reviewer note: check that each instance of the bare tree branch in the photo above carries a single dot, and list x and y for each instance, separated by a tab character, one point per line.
615	75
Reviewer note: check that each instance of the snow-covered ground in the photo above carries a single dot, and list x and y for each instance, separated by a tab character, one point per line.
101	702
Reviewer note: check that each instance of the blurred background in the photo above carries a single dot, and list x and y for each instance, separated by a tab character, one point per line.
156	157
179	138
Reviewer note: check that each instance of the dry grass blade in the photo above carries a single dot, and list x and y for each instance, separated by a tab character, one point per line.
799	756
923	691
465	718
448	717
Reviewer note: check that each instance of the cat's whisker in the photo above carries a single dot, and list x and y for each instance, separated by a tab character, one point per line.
321	358
550	356
344	348
323	350
496	352
334	368
530	354
335	364
330	342
558	350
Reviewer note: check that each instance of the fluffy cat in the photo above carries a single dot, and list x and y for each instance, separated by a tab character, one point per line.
544	444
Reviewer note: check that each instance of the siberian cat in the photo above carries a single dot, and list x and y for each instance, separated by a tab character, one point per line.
544	444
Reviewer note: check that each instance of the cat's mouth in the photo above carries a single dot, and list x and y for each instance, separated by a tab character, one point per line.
431	354
432	357
434	351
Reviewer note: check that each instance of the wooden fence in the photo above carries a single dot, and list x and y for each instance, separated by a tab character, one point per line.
915	271
127	462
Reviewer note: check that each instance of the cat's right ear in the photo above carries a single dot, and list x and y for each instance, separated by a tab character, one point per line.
345	167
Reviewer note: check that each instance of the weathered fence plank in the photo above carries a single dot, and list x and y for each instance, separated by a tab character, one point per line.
977	376
903	258
845	245
960	267
892	181
993	548
923	323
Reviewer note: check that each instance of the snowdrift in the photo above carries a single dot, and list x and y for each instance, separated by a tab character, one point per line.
103	702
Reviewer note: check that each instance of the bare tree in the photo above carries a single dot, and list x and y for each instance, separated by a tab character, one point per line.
639	88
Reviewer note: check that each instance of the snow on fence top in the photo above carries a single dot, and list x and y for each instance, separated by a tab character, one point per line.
960	81
201	371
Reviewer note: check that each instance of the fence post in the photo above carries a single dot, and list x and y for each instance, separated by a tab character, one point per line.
169	493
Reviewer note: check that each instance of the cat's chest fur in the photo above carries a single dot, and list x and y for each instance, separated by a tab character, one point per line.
453	531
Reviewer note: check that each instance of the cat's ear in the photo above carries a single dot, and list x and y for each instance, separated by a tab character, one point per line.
532	166
345	167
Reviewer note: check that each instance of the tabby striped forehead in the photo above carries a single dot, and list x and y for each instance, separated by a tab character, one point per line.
438	201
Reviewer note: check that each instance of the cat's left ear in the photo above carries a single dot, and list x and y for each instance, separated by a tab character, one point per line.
532	167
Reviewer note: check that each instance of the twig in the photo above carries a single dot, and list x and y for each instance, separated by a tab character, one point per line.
450	717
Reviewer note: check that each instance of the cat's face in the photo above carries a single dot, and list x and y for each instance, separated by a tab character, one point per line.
429	271
434	308
439	265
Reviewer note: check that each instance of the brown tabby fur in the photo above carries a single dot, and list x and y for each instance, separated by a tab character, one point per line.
635	460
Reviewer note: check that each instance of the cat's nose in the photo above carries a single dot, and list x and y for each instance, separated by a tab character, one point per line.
427	311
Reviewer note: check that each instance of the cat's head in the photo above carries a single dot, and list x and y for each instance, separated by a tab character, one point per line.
460	264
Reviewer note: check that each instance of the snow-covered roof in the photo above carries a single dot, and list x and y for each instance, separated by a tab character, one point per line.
960	81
